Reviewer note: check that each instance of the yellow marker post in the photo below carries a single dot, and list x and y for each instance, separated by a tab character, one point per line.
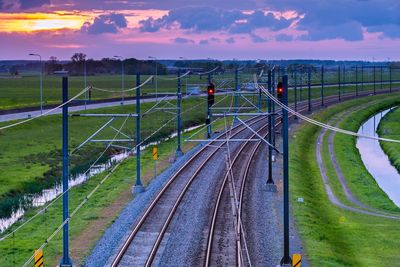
296	260
155	158
38	258
155	153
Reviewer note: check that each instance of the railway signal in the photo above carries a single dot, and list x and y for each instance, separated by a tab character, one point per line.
210	94
279	91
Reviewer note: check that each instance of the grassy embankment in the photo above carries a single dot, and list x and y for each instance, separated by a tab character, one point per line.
104	205
389	127
333	236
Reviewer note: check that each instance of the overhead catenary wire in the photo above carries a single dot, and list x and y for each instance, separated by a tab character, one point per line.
46	207
82	203
323	125
126	90
92	165
207	72
92	192
86	199
174	78
45	113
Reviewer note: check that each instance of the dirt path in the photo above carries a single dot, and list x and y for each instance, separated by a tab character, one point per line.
359	207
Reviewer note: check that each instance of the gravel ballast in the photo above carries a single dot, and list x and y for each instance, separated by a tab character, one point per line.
115	235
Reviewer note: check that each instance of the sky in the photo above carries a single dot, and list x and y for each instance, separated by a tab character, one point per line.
191	29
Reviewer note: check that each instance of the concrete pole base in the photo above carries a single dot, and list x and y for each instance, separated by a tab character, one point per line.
137	189
272	188
178	153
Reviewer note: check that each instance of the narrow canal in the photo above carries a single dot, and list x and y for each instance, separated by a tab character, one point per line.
376	161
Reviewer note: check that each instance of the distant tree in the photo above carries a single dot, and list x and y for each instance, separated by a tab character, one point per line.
14	71
76	65
394	64
52	65
78	57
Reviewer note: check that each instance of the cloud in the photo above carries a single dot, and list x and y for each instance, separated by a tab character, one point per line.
204	42
230	40
180	40
351	31
391	31
110	23
26	4
209	19
257	39
283	37
343	19
195	19
14	5
155	4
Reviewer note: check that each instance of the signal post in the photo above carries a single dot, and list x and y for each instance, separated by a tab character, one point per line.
210	103
282	92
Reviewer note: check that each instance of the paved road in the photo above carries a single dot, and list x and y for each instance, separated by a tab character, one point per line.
27	114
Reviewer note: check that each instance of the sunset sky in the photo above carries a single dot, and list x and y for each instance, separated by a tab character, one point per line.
222	29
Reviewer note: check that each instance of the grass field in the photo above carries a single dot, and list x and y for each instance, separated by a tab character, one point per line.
90	222
16	149
24	90
31	164
389	127
104	205
333	236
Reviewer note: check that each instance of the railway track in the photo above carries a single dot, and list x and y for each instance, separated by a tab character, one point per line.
144	242
152	226
226	245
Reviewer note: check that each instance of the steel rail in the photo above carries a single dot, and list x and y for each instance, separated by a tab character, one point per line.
153	252
132	235
332	99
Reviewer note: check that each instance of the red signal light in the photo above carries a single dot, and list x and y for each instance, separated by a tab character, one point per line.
210	93
279	91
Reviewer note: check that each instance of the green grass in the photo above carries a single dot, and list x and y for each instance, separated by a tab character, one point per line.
24	91
27	142
389	127
332	236
358	178
17	249
30	154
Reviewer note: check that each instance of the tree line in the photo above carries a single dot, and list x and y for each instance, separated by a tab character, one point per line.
78	65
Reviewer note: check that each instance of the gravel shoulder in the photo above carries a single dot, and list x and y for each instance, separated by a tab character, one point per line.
116	234
263	214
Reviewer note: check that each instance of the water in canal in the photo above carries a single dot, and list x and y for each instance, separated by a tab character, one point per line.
376	161
50	194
